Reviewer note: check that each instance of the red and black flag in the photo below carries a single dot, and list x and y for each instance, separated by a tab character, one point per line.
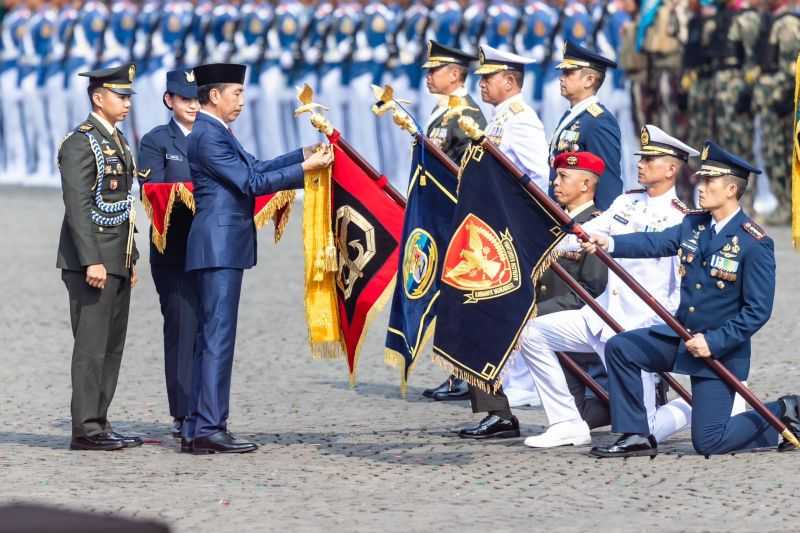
502	240
431	203
367	228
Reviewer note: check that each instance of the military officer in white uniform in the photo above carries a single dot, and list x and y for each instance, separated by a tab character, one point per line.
653	208
517	130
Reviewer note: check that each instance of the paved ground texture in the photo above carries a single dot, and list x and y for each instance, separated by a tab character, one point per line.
334	458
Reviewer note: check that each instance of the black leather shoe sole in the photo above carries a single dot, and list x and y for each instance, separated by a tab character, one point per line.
209	451
506	434
110	447
599	452
449	397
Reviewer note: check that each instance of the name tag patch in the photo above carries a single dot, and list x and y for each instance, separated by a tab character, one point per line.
173	157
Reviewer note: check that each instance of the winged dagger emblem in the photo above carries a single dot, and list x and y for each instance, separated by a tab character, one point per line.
475	258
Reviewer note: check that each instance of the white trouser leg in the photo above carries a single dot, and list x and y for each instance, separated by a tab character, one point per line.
80	103
553	106
243	127
31	123
56	111
621	107
362	121
273	137
542	337
677	415
517	375
399	144
15	171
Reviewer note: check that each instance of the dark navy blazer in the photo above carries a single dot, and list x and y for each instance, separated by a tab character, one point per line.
226	181
727	312
599	135
163	155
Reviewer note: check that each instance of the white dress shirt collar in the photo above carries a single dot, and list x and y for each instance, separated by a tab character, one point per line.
661	199
110	128
183	128
719	225
215	117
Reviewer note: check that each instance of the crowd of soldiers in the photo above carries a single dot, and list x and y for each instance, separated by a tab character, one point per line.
692	64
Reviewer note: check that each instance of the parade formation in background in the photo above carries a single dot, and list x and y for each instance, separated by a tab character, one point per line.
559	199
719	69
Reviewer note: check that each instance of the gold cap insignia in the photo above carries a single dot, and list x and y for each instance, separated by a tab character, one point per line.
189	74
131	73
481	56
704	155
572	160
645	137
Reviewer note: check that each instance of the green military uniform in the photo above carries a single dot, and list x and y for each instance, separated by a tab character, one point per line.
773	101
735	57
698	78
447	135
97	173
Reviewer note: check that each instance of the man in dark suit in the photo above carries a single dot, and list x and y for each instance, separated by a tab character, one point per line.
588	125
447	72
163	158
728	287
575	186
222	242
97	254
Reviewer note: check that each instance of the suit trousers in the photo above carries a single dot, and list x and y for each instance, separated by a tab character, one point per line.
714	429
218	290
99	320
179	307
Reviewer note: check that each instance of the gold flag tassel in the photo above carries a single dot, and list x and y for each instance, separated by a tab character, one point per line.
322	312
160	239
796	160
186	197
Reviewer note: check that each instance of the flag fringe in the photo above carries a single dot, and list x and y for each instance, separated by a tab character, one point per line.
327	350
465	375
377	307
159	239
278	209
187	197
395	359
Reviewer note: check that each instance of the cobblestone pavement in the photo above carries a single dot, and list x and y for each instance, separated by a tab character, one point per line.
330	457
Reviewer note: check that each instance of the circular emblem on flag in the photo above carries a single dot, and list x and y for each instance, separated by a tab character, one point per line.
578	31
420	258
645	137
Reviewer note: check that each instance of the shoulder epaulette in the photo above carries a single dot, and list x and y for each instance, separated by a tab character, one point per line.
685	209
755	230
635	191
595	110
86	126
516	107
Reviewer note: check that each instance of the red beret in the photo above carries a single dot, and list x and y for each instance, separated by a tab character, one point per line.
581	161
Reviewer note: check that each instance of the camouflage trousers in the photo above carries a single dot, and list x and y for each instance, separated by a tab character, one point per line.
777	143
701	112
735	127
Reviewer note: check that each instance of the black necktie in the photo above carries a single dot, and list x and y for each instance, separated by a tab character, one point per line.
713	231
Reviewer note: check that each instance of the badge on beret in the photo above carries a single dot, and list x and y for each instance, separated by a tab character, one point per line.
572	160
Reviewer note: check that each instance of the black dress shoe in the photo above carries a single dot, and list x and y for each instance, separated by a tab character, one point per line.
444	387
492	427
458	390
186	446
98	443
127	442
790	415
221	442
177	426
629	445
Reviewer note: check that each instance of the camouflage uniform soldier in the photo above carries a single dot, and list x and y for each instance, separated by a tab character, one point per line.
735	57
773	103
698	78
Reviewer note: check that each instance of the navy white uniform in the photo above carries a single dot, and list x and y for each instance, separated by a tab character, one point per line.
727	292
588	126
163	158
14	27
86	38
534	41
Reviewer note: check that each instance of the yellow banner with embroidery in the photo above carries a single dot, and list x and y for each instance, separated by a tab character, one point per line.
321	267
796	160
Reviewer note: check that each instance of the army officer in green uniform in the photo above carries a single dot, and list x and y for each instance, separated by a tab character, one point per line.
96	253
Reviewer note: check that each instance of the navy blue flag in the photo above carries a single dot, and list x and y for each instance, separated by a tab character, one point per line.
502	241
426	230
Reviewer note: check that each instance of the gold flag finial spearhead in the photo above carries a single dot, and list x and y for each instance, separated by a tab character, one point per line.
456	106
470	127
386	102
305	95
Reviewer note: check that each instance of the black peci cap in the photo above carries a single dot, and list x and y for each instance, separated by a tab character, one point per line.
219	73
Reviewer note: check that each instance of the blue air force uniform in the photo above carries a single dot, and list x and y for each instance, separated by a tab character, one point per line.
726	294
221	244
588	126
163	158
